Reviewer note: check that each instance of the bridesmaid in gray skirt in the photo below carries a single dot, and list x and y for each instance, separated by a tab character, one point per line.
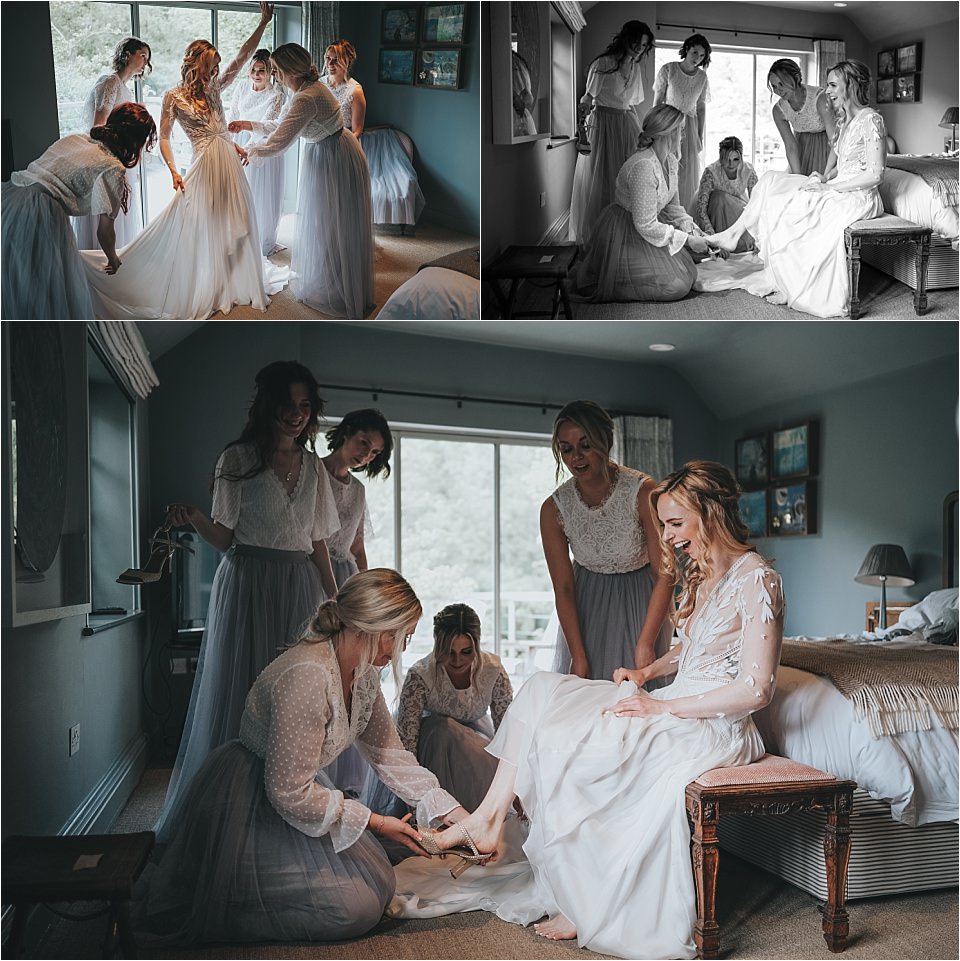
272	511
612	601
264	848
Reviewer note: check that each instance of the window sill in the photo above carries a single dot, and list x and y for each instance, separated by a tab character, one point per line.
97	623
560	142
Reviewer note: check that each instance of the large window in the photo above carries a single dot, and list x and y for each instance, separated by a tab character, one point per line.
741	105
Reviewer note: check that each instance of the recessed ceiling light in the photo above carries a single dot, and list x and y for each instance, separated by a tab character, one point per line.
662	347
839	4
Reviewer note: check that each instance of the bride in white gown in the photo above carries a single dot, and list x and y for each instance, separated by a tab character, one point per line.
202	253
600	769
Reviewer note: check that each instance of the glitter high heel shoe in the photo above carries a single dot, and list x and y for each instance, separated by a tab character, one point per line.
162	546
468	855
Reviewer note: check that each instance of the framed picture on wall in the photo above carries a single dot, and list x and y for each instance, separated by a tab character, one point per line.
396	65
440	68
443	23
793	451
886	63
908	88
753	459
885	90
753	510
399	24
908	58
792	509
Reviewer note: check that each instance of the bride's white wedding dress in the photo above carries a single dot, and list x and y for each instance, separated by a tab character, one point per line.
608	843
202	253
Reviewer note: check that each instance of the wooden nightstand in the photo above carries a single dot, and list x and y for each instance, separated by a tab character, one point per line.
893	614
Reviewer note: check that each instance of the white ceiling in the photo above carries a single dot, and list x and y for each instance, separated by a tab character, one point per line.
735	366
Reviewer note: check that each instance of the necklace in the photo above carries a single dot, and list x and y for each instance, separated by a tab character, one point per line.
289	454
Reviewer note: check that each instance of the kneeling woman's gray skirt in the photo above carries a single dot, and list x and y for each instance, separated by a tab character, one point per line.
619	265
260	602
611	609
236	871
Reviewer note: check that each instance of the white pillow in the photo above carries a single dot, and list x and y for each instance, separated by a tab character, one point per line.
434	293
933	609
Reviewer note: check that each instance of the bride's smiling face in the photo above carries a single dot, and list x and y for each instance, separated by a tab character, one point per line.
681	526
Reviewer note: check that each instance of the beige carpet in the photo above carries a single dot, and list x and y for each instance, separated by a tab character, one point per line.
398	258
760	916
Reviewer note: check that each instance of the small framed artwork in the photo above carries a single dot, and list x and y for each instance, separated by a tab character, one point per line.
440	68
443	23
753	510
885	90
793	451
753	459
792	509
908	58
908	88
399	24
396	65
886	63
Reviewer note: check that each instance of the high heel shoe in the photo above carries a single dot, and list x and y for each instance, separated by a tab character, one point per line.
468	855
162	546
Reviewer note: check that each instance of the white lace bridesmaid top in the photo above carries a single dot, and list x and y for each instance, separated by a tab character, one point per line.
651	200
807	119
296	719
311	113
730	645
262	514
344	94
609	538
851	146
683	91
256	105
351	500
108	92
715	178
612	87
426	690
80	174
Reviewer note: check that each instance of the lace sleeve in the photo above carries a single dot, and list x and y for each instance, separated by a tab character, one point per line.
501	698
326	518
874	145
660	85
227	493
284	131
707	186
398	768
105	94
108	192
275	107
167	115
642	191
413	699
751	181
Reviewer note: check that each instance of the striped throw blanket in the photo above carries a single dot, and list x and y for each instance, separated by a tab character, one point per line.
893	688
467	261
939	172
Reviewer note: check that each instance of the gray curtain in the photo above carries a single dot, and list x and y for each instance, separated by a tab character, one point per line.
645	444
124	344
828	53
320	27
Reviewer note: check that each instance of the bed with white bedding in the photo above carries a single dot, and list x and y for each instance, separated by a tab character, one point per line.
904	820
907	194
444	289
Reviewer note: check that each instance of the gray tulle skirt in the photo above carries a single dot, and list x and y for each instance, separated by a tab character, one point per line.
455	752
814	151
236	871
611	608
260	602
691	164
394	187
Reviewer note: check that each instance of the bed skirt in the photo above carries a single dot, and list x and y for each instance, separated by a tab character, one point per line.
899	260
886	857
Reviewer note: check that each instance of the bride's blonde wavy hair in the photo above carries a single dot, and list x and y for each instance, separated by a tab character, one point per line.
709	490
192	83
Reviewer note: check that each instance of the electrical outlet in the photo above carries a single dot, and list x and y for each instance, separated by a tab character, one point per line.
179	665
74	739
543	199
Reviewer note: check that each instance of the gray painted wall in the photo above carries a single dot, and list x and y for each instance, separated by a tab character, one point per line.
888	457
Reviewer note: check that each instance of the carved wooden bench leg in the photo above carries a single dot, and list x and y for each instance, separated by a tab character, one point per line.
705	852
853	269
923	257
836	852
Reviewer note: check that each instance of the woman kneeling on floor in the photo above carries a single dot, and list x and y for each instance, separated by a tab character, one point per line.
644	244
264	847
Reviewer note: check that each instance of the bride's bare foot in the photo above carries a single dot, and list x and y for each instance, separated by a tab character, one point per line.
484	832
558	928
725	240
776	298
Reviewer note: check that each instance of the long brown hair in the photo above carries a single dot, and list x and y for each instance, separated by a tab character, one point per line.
192	85
710	491
127	132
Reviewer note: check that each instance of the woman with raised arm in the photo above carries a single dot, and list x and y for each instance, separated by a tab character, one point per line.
264	848
601	767
612	601
202	253
131	59
803	116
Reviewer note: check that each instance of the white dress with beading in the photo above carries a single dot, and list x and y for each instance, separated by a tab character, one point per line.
266	180
108	92
608	843
202	253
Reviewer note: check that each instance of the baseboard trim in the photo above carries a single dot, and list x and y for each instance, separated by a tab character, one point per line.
94	815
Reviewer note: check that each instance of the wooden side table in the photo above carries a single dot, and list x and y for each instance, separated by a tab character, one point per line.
886	229
772	785
551	264
82	867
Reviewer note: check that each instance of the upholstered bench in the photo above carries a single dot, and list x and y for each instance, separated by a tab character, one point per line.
886	230
772	785
75	867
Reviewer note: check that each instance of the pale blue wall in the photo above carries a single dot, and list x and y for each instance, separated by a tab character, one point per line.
888	457
443	124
